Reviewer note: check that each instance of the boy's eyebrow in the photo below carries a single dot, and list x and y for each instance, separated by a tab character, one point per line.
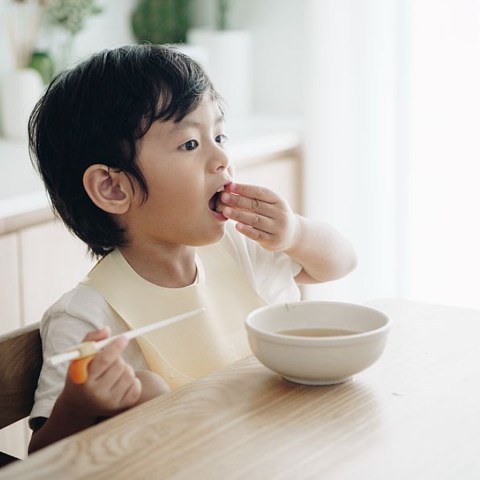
192	123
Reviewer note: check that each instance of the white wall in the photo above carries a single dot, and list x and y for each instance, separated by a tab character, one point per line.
443	238
280	54
351	158
6	60
392	144
280	49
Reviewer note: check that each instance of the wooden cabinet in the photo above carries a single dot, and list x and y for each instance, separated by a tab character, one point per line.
52	262
9	284
281	174
14	438
37	265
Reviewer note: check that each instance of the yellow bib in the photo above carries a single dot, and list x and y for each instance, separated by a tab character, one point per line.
191	348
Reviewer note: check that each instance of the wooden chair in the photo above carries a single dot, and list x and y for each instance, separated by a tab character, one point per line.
20	365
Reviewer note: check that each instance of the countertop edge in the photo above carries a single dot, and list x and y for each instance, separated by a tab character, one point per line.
23	211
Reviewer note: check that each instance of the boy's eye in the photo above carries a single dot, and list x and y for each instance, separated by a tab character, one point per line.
221	138
190	145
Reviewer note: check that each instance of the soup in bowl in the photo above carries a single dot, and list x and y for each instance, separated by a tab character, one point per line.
317	342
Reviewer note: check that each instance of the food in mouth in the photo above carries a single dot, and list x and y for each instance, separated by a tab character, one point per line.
214	202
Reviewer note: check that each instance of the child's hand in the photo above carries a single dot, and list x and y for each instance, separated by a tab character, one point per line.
111	385
261	214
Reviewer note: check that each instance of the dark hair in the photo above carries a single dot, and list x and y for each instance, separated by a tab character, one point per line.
95	113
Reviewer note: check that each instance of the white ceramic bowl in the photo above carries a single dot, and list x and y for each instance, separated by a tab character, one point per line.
317	360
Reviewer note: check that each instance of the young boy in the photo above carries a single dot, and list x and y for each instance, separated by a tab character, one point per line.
131	147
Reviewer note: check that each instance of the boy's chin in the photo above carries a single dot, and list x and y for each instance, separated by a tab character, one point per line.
215	238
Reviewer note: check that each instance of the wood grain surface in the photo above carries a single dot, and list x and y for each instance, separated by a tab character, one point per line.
20	364
413	415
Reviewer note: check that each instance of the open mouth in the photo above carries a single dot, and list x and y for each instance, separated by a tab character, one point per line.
214	201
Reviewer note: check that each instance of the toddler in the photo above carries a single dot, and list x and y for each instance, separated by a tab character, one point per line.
130	145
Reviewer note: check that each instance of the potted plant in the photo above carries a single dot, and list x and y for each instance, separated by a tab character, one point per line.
161	21
229	59
68	18
165	22
21	87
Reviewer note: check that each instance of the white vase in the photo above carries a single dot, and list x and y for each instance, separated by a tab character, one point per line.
19	92
228	65
197	52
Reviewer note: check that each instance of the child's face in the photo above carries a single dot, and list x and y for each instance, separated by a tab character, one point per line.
184	164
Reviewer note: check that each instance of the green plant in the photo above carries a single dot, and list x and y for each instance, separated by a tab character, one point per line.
161	21
71	14
222	14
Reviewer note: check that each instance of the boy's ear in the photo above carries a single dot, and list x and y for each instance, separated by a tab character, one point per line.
108	189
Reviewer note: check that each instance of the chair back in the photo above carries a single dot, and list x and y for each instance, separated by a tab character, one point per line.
20	365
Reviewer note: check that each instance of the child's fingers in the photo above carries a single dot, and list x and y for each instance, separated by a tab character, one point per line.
254	220
78	369
117	376
97	335
118	386
253	233
128	387
132	394
252	191
107	356
250	204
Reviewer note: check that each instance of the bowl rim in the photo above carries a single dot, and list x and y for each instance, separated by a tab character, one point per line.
359	337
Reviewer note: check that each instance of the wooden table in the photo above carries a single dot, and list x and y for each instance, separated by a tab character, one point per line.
415	414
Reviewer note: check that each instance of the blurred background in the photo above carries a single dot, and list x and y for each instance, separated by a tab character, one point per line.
383	95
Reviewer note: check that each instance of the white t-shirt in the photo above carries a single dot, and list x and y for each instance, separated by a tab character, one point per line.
83	309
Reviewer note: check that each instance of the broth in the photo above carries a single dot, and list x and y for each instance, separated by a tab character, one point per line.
317	332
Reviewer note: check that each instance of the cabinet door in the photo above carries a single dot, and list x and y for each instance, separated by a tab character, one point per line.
9	284
13	439
37	266
281	174
52	262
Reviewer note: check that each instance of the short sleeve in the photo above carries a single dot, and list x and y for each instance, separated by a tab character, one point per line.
271	274
65	325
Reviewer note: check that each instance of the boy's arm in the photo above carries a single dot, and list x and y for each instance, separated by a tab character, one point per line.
323	253
266	218
112	387
62	423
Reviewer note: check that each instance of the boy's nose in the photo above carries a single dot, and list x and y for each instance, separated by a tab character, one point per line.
220	159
